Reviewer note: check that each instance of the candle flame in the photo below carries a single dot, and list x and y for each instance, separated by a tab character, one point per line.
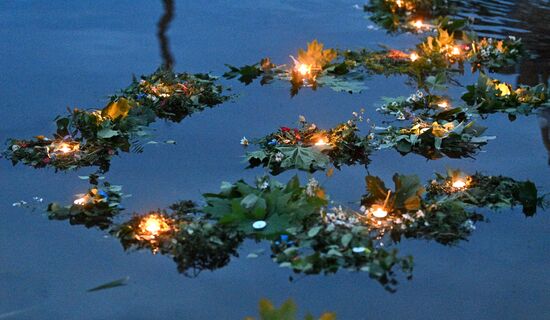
399	3
414	56
321	142
443	104
455	51
152	226
82	200
379	212
418	24
65	147
459	184
304	69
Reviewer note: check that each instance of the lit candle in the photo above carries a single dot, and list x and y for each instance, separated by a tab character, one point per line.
418	24
459	184
414	56
304	69
379	212
65	147
399	3
443	104
152	226
321	142
82	200
455	51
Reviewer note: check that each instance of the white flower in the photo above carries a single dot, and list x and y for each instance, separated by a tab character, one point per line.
400	115
469	225
301	118
420	214
264	185
398	221
15	147
244	141
406	216
279	156
513	38
311	187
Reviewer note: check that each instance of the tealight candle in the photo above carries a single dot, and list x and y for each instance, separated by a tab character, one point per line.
418	24
304	69
459	184
455	51
152	226
379	212
321	142
414	56
443	104
66	148
82	200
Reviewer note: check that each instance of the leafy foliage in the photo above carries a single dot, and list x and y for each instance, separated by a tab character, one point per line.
95	136
490	96
310	148
494	192
96	208
435	140
280	206
287	311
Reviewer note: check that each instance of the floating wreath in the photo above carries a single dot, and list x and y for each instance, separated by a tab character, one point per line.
494	192
95	208
194	243
435	140
310	148
92	137
312	68
407	15
490	96
424	106
174	96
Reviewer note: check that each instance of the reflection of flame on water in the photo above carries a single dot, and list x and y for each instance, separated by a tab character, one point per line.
152	226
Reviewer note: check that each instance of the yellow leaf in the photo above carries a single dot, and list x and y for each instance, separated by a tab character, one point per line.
503	88
315	56
115	109
328	316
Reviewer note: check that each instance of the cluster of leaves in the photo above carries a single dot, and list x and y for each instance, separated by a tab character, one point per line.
401	15
287	311
489	53
175	96
490	96
435	140
424	106
494	192
310	148
318	70
93	137
240	205
194	243
95	208
327	248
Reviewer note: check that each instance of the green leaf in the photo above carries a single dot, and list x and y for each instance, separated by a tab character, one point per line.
112	284
107	133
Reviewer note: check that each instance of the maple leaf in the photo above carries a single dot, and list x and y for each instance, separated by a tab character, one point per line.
315	56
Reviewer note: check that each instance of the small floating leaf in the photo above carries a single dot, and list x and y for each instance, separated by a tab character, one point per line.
112	284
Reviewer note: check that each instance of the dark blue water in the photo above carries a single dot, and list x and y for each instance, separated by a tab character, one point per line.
59	54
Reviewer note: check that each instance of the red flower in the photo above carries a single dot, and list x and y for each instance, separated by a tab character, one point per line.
296	131
298	137
46	160
285	129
